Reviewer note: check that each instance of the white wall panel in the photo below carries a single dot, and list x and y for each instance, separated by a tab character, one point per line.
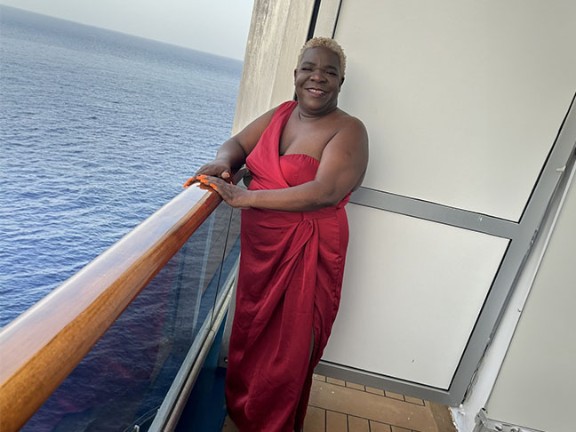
419	292
462	99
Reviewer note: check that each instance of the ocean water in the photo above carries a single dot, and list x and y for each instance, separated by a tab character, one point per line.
97	131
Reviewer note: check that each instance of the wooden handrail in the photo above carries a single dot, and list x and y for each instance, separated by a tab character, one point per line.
41	347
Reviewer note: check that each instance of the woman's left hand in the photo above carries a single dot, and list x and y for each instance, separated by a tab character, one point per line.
234	195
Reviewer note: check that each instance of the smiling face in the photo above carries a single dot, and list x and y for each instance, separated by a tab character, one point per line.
317	80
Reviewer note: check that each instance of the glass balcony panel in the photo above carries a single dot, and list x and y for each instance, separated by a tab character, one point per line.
125	377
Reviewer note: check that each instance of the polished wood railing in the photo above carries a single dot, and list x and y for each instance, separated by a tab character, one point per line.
40	348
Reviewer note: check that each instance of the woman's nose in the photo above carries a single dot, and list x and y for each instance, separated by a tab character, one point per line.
317	75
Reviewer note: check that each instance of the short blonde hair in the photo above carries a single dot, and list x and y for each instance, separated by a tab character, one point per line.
329	43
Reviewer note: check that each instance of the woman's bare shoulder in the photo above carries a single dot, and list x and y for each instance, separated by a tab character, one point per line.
349	123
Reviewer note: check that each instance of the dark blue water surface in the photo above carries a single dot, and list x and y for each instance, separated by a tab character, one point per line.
97	131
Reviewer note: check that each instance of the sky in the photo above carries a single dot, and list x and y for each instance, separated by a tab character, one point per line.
215	26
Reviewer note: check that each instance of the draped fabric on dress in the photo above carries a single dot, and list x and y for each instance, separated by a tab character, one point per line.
288	292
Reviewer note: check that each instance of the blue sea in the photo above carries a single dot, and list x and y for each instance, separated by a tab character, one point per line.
97	131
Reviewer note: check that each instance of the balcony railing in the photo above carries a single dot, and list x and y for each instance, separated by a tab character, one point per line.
164	280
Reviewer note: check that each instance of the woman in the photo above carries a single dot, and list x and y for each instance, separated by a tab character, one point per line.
305	158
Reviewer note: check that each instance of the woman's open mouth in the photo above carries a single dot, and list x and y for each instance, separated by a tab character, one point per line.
316	91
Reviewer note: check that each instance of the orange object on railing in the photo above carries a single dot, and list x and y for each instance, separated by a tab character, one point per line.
41	347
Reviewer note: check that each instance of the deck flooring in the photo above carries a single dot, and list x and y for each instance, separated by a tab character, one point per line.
339	406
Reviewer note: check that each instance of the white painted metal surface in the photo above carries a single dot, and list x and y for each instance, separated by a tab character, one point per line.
408	308
463	102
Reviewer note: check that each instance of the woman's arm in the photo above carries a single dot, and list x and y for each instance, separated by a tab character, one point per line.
341	170
233	152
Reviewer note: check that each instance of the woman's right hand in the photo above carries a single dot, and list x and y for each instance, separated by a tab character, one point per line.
216	168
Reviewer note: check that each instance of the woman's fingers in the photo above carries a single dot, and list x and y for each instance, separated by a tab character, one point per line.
208	181
217	184
216	170
202	178
227	191
189	182
230	193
